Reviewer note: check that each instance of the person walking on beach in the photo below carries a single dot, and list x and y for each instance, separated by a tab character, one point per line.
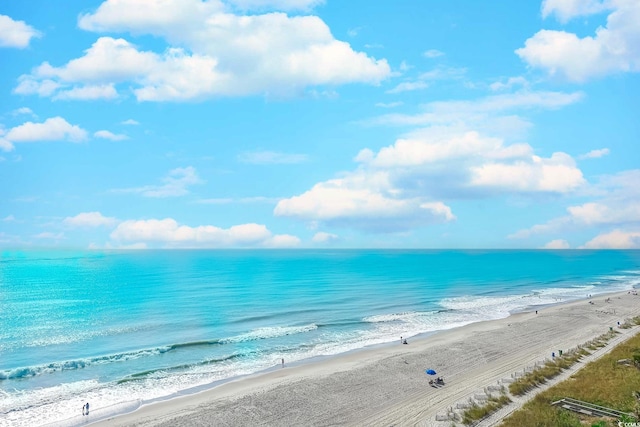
283	362
84	408
87	405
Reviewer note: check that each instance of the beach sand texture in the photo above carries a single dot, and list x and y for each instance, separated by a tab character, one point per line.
387	385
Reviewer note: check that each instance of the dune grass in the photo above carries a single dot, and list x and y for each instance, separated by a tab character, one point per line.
603	382
554	367
478	412
628	323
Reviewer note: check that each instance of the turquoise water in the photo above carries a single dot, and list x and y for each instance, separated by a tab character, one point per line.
119	329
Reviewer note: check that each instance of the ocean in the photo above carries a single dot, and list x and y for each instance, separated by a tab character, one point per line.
120	329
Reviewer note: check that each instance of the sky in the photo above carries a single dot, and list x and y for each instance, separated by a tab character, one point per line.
129	124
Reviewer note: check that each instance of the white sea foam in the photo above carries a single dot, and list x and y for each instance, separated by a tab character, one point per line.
270	332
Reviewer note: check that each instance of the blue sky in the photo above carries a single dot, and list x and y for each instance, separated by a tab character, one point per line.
313	124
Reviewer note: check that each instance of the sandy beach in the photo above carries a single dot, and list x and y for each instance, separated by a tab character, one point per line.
387	385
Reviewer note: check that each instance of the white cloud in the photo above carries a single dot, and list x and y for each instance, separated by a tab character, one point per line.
557	174
176	184
168	233
557	244
618	206
89	220
389	104
105	134
613	49
90	92
568	9
365	200
444	73
16	33
8	218
409	86
596	213
6	145
405	185
282	241
289	5
23	110
595	154
480	162
271	157
53	129
324	237
433	53
29	85
130	122
616	239
410	183
509	84
495	114
210	52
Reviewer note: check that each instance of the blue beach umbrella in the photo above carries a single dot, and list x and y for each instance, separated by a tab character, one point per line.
430	372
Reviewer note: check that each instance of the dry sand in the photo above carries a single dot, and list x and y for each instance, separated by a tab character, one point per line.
387	386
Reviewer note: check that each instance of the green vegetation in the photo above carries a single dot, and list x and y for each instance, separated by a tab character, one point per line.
478	412
628	323
603	382
554	367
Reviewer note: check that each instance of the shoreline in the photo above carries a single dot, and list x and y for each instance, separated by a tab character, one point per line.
392	362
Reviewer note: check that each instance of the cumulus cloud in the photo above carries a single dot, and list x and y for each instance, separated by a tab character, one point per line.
402	186
346	202
618	206
176	184
613	49
470	161
271	157
130	122
169	233
89	220
324	237
105	134
557	244
411	182
53	129
210	52
566	10
616	239
16	33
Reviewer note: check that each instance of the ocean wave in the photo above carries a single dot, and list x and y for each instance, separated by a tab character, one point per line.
395	317
270	332
68	365
193	344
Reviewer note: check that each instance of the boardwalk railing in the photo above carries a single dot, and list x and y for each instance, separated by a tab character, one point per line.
587	408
